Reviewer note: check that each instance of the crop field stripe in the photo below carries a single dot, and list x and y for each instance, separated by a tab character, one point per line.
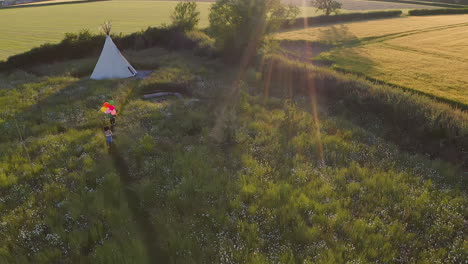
412	32
459	105
363	29
408	49
424	58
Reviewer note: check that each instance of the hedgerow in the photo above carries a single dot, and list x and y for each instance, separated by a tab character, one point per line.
430	12
440	3
310	21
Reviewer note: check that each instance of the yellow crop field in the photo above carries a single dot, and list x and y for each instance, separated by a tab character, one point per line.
373	28
428	54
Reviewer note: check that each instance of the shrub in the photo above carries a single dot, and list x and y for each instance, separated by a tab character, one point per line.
186	16
239	27
429	12
204	44
329	6
300	22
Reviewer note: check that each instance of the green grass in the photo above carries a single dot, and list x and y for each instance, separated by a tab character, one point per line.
62	198
281	186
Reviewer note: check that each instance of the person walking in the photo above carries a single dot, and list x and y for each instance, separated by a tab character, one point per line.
108	134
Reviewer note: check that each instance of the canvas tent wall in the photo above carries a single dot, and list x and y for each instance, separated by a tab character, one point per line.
112	64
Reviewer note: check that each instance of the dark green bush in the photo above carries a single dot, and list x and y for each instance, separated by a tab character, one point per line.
204	44
186	16
300	22
429	12
240	27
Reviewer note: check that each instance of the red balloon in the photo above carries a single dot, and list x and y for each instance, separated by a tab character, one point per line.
111	107
106	104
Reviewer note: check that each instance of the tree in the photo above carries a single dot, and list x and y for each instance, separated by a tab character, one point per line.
185	15
240	26
328	6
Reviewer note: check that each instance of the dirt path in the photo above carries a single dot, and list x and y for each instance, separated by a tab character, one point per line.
140	215
146	229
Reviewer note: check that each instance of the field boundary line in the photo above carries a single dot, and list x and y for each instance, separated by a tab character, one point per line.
409	33
434	54
452	103
40	4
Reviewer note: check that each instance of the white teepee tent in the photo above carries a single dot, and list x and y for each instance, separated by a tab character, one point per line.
111	63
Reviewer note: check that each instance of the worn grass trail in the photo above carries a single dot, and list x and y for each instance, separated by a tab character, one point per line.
146	229
140	215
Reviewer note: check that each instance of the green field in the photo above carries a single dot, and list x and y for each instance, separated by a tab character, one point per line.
32	26
427	54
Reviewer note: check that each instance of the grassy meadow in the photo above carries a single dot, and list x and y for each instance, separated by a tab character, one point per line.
420	53
281	185
281	181
61	196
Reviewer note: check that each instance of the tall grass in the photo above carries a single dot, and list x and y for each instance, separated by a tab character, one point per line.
434	127
61	197
269	195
